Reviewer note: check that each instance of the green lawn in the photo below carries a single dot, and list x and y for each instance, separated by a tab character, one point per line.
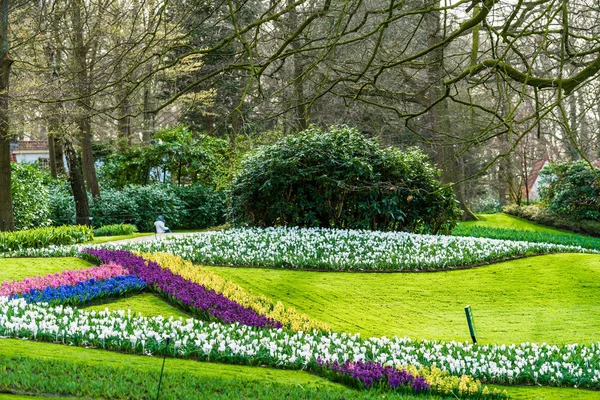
552	298
506	221
19	268
92	356
145	303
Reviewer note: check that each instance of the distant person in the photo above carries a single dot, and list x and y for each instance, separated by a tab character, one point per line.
160	225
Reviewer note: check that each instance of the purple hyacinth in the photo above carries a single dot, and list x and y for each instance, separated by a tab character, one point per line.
187	292
371	373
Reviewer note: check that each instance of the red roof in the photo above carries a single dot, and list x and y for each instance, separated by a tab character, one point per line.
534	174
32	145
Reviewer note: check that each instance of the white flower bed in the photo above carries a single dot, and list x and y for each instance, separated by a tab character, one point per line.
331	249
327	249
573	365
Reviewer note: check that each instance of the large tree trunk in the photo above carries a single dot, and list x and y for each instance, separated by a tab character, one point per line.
82	208
148	117
444	150
301	110
84	103
7	221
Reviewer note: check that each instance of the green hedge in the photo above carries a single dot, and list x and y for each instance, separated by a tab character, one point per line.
44	237
184	207
115	230
542	216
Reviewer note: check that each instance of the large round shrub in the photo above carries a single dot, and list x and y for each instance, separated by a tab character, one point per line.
339	179
571	189
29	196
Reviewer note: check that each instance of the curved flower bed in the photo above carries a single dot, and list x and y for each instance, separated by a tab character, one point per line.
341	250
190	295
263	305
72	277
85	292
572	365
328	249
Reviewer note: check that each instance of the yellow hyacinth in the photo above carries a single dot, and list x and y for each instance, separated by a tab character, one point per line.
263	305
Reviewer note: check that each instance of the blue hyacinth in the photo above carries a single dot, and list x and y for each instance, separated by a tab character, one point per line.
86	291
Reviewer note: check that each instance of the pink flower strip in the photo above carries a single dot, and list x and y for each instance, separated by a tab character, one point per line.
72	277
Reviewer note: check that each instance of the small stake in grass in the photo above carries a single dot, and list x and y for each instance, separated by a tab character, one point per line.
471	322
163	367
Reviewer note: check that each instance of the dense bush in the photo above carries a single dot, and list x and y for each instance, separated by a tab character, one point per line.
339	179
177	155
541	215
184	207
61	203
44	237
30	197
138	205
572	190
204	206
115	229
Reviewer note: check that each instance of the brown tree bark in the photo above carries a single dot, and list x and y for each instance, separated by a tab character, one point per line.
301	111
84	124
444	150
7	221
82	208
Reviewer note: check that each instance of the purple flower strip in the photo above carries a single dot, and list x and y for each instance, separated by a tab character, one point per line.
371	373
188	293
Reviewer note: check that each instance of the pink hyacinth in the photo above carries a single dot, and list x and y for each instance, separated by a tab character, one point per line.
72	277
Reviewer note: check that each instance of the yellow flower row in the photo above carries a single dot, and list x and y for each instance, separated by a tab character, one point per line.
444	383
289	317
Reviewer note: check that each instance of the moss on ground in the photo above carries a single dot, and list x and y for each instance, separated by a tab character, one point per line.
552	298
147	304
19	268
506	221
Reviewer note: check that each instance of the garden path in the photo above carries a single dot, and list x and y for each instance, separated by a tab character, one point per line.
155	237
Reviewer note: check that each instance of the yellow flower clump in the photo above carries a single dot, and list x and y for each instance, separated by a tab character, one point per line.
444	383
263	305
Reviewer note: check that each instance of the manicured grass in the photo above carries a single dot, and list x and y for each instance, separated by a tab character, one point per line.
104	239
546	393
19	268
47	368
145	303
553	298
46	351
510	222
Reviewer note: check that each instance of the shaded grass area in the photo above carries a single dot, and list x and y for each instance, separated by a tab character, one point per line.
552	298
147	304
510	222
20	268
56	369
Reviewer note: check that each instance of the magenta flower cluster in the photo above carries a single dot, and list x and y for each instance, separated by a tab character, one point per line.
374	374
189	294
64	278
